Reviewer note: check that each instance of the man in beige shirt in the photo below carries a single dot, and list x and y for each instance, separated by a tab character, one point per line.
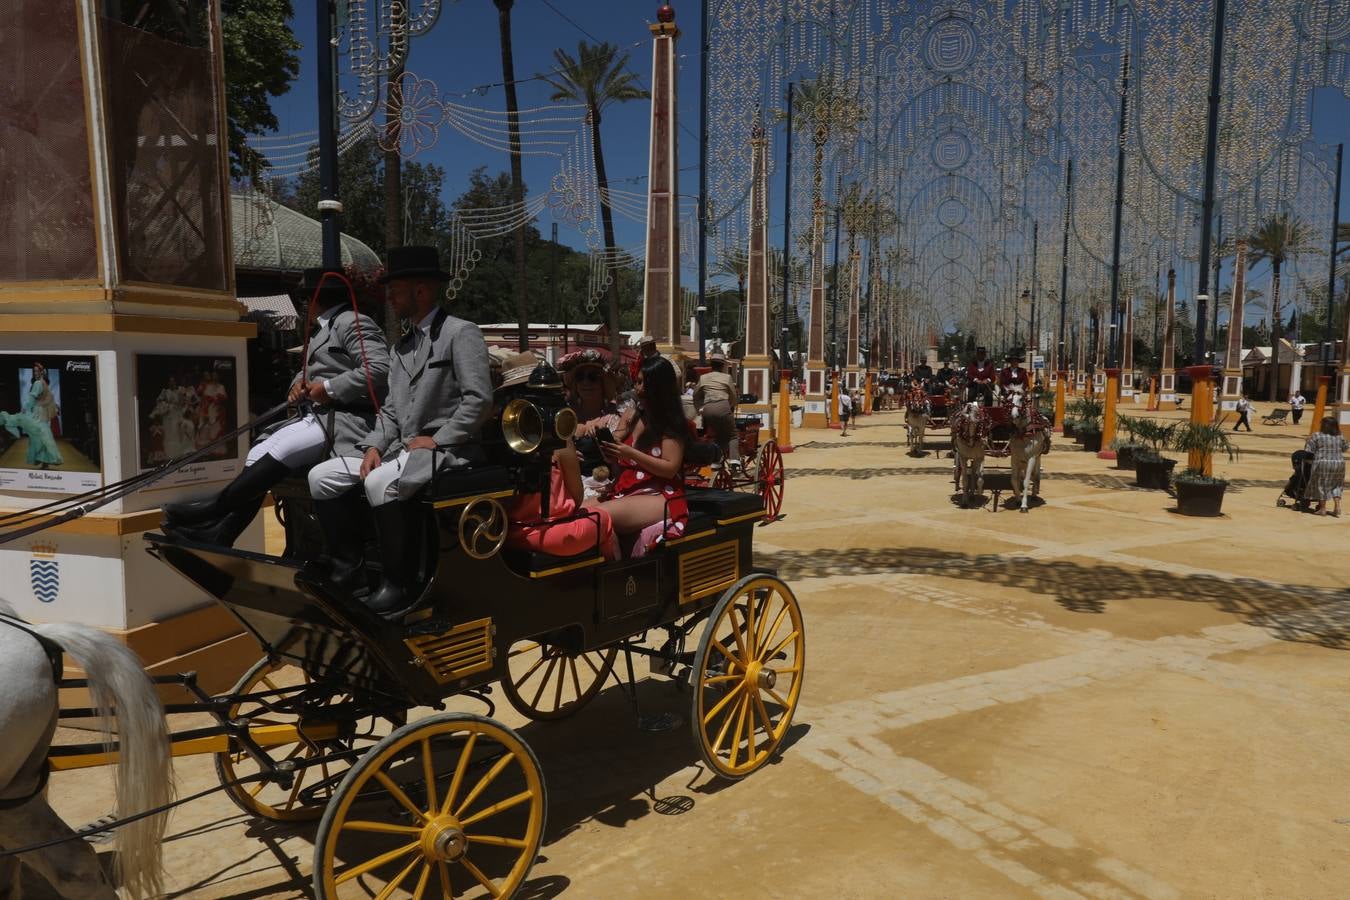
715	399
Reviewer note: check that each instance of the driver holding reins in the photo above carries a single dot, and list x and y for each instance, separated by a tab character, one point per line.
345	375
440	395
980	378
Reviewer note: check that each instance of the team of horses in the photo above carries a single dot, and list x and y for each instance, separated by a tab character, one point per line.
1011	427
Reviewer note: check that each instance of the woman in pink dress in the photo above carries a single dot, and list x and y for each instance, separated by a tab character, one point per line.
564	532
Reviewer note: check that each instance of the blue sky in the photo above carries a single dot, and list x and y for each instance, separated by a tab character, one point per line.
461	53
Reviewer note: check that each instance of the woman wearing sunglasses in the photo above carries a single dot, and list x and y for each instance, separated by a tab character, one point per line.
592	390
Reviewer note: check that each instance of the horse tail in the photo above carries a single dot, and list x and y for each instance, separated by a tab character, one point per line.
119	686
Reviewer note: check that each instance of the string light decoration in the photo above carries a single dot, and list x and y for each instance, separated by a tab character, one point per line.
959	118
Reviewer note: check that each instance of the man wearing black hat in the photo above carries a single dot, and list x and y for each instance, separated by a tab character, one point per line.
440	394
1013	375
980	378
344	377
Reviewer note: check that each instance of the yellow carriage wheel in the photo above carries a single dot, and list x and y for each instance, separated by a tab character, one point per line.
313	786
450	806
748	675
544	681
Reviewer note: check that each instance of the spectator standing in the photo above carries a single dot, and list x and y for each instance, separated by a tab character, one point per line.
1328	466
1244	409
845	412
1296	404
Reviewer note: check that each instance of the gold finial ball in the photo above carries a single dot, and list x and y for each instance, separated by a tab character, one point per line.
666	14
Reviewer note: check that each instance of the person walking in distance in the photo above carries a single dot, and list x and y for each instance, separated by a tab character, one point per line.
1244	409
845	412
1296	404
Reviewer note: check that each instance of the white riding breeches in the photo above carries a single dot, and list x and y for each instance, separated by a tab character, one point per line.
333	478
299	444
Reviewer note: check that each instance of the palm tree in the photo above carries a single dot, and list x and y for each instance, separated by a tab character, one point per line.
517	178
1279	238
598	76
824	109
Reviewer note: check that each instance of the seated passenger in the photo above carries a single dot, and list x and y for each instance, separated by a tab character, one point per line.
335	385
440	394
650	487
569	530
592	391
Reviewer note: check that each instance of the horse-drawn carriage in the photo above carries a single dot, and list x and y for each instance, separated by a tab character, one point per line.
324	726
1012	428
760	471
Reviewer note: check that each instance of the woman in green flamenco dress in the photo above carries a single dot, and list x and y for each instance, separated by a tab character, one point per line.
39	409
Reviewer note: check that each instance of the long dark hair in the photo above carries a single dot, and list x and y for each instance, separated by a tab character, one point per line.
661	411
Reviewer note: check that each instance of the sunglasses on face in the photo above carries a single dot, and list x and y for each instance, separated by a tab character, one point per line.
588	375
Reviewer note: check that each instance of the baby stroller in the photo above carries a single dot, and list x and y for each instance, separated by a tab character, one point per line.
1297	484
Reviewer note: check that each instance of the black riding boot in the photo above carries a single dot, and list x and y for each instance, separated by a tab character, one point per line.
399	526
344	541
230	511
255	481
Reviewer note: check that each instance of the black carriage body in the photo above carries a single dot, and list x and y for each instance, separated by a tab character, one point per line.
475	608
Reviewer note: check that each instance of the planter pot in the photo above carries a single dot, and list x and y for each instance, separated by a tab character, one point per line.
1092	442
1153	473
1125	458
1069	429
1199	498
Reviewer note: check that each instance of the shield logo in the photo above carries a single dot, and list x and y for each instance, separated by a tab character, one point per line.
44	573
630	587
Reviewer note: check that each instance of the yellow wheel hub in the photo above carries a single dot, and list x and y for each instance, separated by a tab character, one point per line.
443	839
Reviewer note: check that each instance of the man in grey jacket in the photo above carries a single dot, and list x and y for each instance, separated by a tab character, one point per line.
440	394
343	381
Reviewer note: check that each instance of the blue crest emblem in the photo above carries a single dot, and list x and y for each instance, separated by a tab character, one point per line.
44	573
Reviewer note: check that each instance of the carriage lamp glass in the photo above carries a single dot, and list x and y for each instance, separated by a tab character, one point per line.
564	423
522	426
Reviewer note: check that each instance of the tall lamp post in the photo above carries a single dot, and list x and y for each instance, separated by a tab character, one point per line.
699	311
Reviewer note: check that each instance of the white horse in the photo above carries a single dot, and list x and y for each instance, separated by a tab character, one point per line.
1030	441
917	410
28	717
969	426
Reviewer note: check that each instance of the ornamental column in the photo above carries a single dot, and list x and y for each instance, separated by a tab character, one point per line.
1167	381
814	415
1232	361
661	282
1340	406
118	316
852	358
1127	355
756	365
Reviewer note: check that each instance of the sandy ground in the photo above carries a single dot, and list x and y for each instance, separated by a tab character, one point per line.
1101	698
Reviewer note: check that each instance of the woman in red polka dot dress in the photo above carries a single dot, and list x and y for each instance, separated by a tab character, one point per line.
650	487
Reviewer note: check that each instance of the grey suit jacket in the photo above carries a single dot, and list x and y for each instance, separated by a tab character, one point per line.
439	386
335	357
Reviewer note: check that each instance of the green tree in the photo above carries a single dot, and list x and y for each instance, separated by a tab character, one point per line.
426	219
597	76
1279	238
261	61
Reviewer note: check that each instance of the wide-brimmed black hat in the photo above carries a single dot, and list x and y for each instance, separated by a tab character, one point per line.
1016	355
414	262
332	291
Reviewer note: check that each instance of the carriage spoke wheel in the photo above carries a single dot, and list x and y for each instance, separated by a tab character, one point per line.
722	480
771	478
546	682
748	675
449	806
312	785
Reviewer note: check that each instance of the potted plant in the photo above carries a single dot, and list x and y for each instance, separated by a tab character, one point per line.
1151	468
1127	444
1089	414
1199	494
1070	426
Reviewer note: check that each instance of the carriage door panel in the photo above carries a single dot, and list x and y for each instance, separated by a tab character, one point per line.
630	589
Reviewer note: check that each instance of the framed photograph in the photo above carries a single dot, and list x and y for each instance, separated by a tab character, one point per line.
185	404
49	426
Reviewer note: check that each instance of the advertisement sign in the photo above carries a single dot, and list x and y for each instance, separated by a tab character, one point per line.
185	404
49	435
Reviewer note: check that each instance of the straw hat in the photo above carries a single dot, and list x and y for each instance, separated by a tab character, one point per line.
516	369
577	360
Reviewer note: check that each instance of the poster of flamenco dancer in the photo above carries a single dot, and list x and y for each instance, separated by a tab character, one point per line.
185	404
49	436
